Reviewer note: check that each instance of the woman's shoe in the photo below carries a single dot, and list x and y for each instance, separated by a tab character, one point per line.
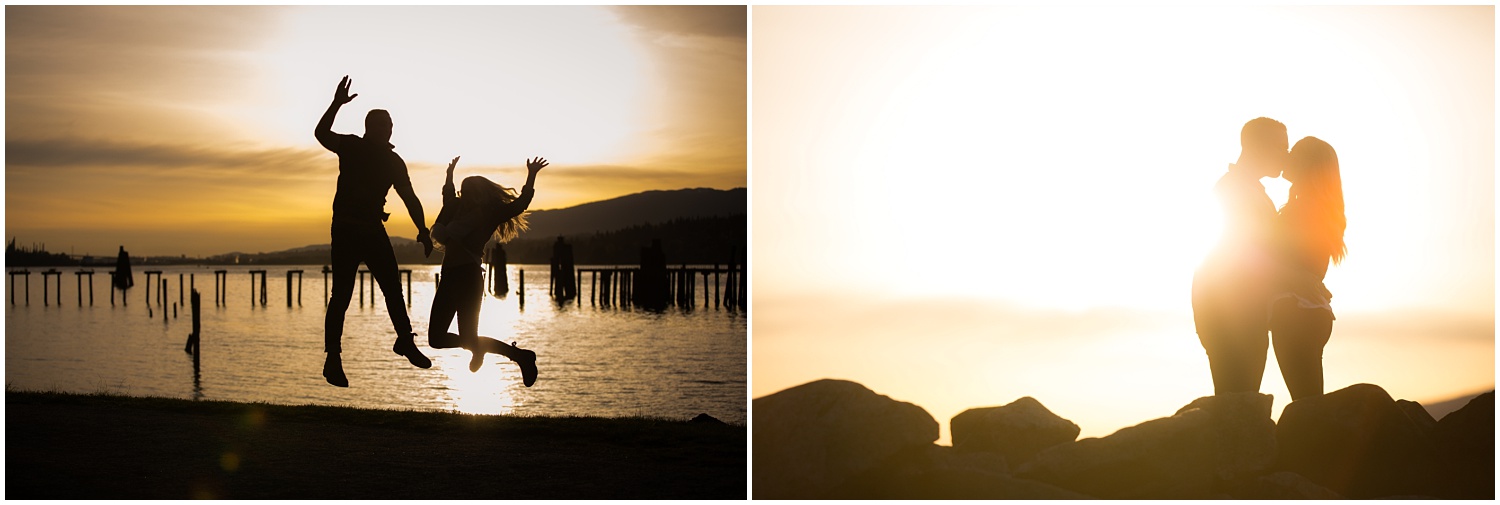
527	360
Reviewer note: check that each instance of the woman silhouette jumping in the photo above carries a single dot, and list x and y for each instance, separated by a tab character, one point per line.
469	219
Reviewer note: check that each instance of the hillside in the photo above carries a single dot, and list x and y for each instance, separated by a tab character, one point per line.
637	209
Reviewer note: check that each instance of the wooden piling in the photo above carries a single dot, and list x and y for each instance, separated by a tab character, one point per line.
80	275
221	290
57	278
13	275
262	274
194	345
150	273
289	274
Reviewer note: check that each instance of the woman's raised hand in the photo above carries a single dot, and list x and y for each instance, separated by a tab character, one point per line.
452	164
536	165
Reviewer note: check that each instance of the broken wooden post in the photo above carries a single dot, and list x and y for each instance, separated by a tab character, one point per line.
194	345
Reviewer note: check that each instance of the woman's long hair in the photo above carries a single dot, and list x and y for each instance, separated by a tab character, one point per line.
488	196
1320	192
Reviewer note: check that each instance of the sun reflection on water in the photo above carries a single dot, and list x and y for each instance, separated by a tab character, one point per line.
484	392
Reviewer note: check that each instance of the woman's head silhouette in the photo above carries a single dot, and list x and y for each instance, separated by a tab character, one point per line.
1316	184
484	195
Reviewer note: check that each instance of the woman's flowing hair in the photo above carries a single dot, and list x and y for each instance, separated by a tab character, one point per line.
1321	191
489	196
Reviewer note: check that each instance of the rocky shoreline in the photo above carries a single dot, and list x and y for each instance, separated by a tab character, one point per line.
835	439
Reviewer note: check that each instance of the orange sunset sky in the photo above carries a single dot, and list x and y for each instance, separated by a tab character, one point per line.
188	130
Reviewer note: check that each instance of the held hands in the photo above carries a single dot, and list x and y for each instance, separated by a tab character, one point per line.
535	165
341	94
425	237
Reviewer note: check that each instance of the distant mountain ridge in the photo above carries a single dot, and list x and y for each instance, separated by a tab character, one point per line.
678	210
636	209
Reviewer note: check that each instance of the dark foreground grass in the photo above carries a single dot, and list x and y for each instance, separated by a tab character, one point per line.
99	446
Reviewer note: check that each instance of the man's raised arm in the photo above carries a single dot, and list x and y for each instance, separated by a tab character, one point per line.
324	132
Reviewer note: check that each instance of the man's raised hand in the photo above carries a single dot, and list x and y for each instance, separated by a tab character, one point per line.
341	94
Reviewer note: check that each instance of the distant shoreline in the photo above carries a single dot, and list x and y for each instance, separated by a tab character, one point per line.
110	447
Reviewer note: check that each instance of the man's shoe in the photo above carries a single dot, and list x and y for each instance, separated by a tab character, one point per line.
407	346
333	371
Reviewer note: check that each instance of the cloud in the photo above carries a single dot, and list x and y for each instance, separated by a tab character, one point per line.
710	21
130	50
78	153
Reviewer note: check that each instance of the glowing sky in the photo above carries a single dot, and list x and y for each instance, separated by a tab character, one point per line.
189	129
960	206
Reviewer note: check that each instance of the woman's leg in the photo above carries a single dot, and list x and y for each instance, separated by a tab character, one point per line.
1299	336
444	306
526	359
469	297
469	300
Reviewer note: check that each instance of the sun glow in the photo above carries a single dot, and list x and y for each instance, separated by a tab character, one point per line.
495	86
488	391
473	392
1039	164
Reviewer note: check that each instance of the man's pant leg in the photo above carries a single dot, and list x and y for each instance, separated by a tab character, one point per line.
382	262
346	252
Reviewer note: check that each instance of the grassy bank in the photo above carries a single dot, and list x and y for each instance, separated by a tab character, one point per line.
99	446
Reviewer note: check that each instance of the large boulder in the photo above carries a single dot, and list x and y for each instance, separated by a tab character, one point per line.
809	439
1283	486
1245	436
1357	442
1418	415
1018	430
1204	451
1466	445
936	472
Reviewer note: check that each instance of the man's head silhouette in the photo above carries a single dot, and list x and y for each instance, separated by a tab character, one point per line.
1263	147
378	125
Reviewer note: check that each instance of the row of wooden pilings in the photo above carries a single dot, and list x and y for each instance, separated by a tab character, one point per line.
155	277
623	286
608	286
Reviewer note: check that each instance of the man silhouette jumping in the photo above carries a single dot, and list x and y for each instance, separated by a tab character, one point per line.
368	168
